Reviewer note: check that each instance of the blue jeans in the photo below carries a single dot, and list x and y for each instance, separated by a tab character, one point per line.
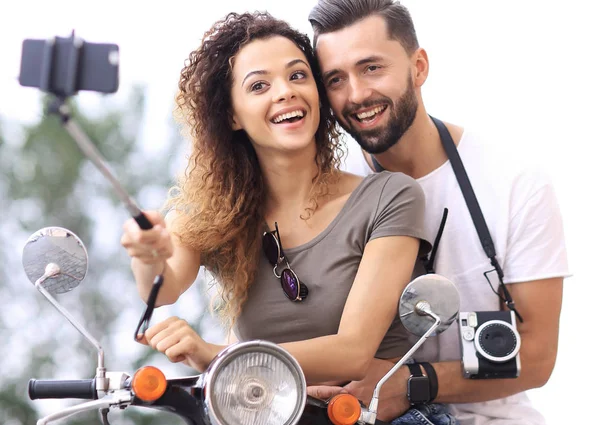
427	414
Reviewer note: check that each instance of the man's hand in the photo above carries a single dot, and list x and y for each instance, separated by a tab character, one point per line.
392	398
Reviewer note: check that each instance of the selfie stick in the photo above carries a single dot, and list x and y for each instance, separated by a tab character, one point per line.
60	108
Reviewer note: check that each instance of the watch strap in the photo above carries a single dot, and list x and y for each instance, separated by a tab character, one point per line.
415	369
433	381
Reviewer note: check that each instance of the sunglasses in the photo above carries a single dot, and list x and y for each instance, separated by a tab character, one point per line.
291	285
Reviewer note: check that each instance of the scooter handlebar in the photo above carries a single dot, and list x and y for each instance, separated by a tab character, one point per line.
48	388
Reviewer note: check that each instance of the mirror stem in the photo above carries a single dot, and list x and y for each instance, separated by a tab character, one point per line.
422	308
51	271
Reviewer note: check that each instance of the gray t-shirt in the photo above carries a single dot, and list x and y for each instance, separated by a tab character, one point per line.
383	204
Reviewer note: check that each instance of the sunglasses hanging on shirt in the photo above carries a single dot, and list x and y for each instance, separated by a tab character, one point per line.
292	287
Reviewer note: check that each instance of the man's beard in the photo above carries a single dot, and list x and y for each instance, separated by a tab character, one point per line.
402	116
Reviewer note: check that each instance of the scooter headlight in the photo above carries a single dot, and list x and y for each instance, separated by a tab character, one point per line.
255	383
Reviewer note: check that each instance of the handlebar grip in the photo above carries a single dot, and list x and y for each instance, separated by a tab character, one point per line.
143	221
79	388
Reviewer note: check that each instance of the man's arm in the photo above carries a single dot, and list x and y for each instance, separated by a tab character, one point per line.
539	302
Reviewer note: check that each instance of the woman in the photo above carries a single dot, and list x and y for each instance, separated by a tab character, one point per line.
263	206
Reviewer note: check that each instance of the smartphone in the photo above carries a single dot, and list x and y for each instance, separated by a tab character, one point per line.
64	66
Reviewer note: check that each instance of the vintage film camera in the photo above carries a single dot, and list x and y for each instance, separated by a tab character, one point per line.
490	344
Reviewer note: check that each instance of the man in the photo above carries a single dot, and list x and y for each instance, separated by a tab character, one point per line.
374	68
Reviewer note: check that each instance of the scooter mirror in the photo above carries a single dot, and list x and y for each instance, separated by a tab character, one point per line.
59	255
442	298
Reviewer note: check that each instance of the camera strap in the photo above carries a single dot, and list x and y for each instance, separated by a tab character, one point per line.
474	209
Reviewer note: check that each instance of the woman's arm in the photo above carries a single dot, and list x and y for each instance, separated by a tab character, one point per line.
384	272
158	251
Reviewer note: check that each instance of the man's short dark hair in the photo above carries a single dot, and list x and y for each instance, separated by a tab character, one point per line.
333	15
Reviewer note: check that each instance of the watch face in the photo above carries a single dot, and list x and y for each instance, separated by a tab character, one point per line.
418	389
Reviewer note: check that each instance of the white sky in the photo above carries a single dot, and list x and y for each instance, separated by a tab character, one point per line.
527	70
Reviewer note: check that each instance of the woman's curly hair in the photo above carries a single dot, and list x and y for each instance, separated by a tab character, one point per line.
221	194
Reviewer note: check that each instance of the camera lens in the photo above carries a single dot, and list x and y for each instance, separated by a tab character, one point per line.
497	341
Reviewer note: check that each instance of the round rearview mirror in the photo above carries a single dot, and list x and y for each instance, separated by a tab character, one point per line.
59	250
441	295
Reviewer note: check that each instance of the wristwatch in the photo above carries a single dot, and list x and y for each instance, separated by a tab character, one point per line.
417	389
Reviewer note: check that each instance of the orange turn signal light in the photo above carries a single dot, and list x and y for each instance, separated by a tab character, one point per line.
343	409
149	383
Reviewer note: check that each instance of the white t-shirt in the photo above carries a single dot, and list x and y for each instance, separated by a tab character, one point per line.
523	217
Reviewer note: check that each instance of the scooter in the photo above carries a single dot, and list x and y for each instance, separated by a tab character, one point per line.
253	382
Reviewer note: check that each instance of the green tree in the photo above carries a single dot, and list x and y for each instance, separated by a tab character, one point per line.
45	180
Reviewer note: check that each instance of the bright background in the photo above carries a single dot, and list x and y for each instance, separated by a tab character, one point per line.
526	70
